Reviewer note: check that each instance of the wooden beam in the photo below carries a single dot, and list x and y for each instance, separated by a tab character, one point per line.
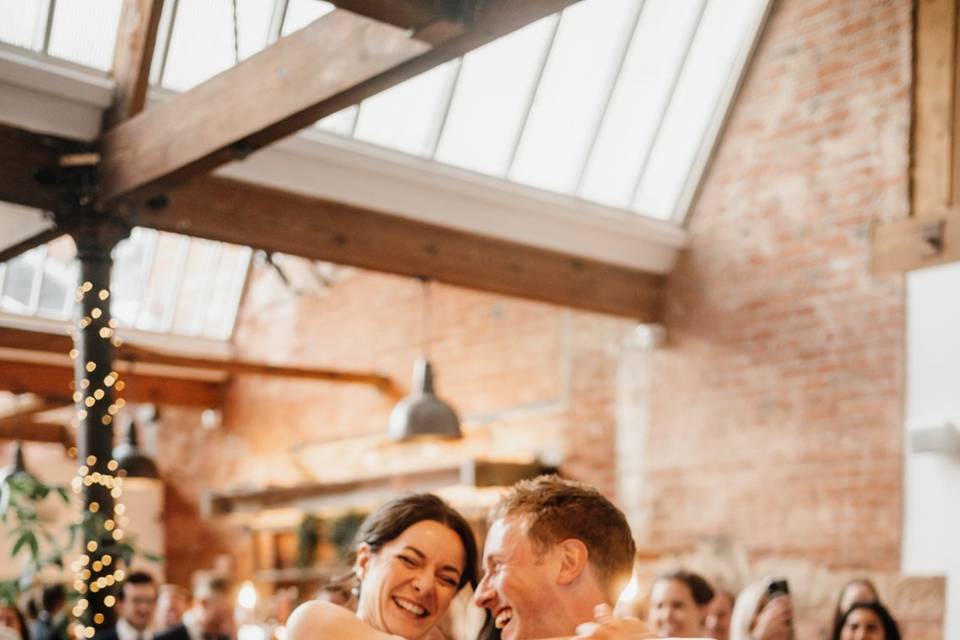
37	432
133	53
472	473
286	88
935	86
262	99
243	213
43	342
45	236
406	14
917	242
30	173
53	382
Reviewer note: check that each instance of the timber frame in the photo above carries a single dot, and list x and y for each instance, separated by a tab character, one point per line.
931	235
150	168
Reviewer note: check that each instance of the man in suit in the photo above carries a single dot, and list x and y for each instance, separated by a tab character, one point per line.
210	617
51	623
556	557
136	601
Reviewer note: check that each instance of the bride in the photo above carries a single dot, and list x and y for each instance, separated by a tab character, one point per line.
414	554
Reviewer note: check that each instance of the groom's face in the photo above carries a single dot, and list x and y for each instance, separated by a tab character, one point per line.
518	586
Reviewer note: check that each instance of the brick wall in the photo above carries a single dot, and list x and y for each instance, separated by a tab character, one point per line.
775	408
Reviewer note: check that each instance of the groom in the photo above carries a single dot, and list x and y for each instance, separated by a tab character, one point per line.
556	557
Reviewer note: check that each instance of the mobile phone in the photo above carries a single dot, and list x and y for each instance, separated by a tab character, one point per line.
778	588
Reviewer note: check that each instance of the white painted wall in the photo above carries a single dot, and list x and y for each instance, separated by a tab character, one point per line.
932	480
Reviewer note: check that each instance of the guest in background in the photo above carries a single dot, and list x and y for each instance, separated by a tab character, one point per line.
717	624
51	622
136	601
762	613
866	621
210	617
857	590
172	603
12	624
678	605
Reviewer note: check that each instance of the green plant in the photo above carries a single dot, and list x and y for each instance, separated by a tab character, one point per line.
343	530
308	537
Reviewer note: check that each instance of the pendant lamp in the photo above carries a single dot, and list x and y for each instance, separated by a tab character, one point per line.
422	414
128	455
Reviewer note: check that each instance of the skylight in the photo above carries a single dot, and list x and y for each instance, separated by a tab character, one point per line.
614	101
150	290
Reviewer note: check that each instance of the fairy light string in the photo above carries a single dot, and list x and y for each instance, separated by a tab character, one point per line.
98	567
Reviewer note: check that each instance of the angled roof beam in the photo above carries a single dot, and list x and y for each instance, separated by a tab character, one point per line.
406	14
320	229
12	338
337	61
133	54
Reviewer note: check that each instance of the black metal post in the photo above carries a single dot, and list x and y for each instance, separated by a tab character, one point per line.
95	381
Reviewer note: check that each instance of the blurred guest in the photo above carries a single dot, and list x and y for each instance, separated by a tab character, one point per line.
12	624
210	617
866	621
51	622
337	593
136	600
678	605
172	603
763	612
857	590
717	624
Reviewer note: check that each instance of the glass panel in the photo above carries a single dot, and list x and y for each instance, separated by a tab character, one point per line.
85	31
203	39
341	122
653	62
196	286
402	116
131	268
59	279
18	283
300	13
722	33
221	313
23	23
490	99
170	255
566	110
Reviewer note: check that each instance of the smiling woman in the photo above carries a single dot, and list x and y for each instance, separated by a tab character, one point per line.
413	555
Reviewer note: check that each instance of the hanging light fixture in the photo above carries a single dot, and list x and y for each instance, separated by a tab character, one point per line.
130	459
16	466
422	414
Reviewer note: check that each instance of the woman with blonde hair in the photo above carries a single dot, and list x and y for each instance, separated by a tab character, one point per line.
763	611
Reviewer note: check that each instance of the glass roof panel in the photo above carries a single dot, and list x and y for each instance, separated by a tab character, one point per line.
202	41
85	31
642	94
342	122
722	34
60	272
160	282
420	99
24	23
582	67
490	99
300	13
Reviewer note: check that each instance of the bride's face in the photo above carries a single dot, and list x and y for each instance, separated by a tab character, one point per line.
407	585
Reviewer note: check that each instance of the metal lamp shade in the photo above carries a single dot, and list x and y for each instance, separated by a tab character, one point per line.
134	462
422	414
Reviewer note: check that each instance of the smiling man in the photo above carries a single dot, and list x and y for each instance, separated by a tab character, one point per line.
556	557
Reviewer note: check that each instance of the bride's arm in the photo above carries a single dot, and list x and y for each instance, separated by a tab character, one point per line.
325	621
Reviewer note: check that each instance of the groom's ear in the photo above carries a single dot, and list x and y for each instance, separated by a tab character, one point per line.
574	556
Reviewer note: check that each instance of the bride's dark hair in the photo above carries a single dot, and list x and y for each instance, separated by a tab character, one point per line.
396	516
